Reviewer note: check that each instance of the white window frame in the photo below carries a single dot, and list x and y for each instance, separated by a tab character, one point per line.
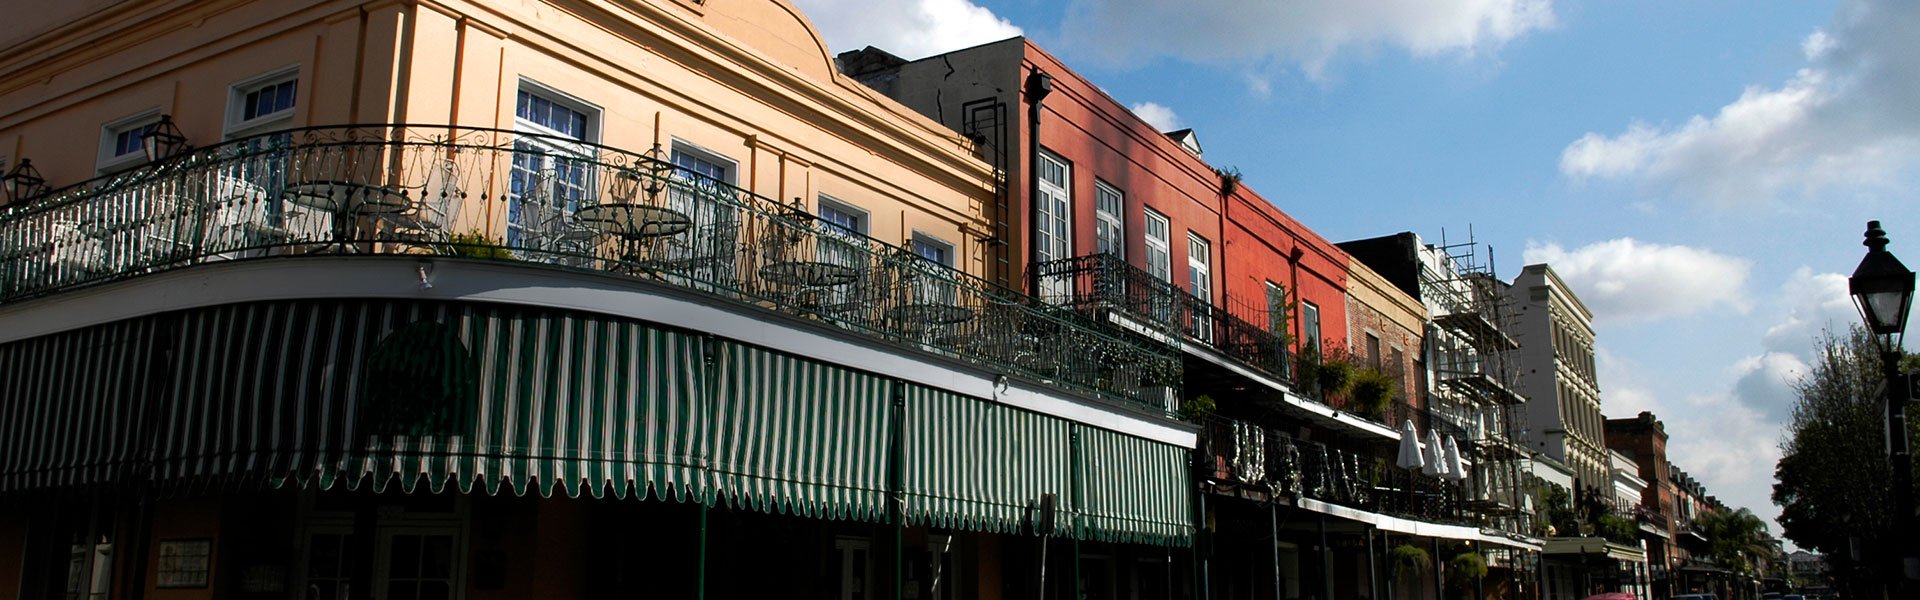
926	239
1200	284
554	145
1310	327
862	219
106	162
1109	223
1160	249
235	127
1054	229
846	546
1199	267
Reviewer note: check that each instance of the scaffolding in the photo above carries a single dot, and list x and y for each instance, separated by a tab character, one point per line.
1474	385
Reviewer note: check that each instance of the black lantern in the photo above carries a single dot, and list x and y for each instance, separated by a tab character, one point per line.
658	170
1882	288
163	141
23	181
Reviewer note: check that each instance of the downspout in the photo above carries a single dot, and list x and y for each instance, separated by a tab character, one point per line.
1038	85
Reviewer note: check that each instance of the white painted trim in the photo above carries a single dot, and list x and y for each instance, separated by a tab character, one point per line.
1411	526
475	280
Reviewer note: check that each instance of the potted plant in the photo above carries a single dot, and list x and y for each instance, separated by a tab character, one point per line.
1407	558
1334	375
472	244
1370	392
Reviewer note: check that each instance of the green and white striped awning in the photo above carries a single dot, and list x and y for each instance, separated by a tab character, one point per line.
978	465
1130	489
325	392
793	435
73	404
440	395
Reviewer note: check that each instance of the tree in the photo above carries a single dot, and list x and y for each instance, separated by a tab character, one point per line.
1832	479
1735	538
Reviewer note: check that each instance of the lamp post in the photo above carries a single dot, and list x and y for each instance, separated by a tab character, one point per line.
1883	290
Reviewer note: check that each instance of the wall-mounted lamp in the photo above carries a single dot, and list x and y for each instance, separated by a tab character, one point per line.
164	141
24	181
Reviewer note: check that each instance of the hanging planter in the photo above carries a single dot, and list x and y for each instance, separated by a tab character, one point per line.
1465	569
1406	558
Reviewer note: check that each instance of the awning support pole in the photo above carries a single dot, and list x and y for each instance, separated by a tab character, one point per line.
1439	586
1273	526
1373	575
1326	561
896	475
700	571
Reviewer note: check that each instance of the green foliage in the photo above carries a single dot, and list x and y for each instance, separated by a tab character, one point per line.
1559	510
1229	179
1198	408
1466	568
1617	529
1407	558
1371	391
1733	538
473	244
1832	479
1334	375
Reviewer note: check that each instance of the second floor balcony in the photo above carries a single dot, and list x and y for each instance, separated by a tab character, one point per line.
1244	454
1113	290
545	202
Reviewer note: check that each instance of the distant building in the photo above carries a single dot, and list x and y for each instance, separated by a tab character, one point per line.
1556	364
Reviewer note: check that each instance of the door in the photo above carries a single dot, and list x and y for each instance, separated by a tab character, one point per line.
417	564
1053	225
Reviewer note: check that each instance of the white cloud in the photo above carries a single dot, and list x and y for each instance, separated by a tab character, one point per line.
1626	394
1729	446
1814	303
1309	33
1160	117
911	29
1629	280
1844	122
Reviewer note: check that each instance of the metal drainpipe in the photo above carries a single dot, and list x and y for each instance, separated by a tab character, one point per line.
1038	85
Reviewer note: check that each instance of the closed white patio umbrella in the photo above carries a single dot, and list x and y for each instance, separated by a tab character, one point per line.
1435	455
1409	447
1456	466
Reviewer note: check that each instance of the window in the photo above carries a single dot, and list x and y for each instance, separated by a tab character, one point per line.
932	249
1200	284
842	216
1109	230
1052	231
1276	308
1199	267
1309	327
702	191
1373	350
851	568
551	177
263	102
1159	256
122	142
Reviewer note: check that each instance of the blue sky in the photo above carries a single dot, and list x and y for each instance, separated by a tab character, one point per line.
1699	171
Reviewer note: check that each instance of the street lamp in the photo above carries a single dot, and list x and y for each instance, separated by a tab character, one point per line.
163	141
1883	290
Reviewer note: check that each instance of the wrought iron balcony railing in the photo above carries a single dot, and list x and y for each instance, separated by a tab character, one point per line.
1107	286
1244	453
513	196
